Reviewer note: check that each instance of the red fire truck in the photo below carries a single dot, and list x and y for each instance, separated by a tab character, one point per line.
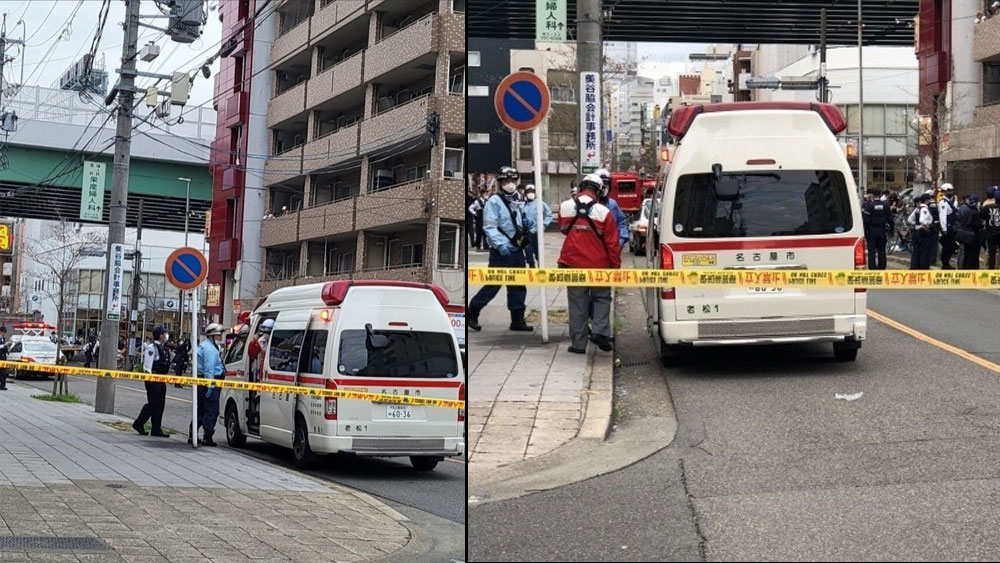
625	189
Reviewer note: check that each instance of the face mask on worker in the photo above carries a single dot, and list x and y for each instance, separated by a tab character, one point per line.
509	188
530	196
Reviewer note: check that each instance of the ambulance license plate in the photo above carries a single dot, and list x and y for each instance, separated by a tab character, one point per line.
398	412
754	290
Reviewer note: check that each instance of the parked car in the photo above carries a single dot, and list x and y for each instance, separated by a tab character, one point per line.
32	350
639	229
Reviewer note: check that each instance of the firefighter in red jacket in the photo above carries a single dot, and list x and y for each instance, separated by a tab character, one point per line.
591	242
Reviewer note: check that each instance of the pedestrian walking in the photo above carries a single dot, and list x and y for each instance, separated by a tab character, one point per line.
209	366
948	214
878	223
591	242
968	232
470	218
3	357
924	236
507	240
604	196
531	219
989	214
155	359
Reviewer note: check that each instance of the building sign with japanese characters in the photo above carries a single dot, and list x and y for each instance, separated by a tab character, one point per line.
214	291
115	282
550	20
6	238
590	117
92	196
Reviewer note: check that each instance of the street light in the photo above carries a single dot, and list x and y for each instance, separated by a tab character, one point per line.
187	213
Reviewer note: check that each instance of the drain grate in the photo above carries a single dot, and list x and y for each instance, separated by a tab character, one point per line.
635	363
52	544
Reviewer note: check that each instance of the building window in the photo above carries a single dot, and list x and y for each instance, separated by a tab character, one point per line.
852	119
524	145
896	120
479	91
874	120
454	158
479	138
474	58
413	255
991	83
458	81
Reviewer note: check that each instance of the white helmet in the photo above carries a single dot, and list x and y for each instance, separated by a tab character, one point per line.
604	174
267	325
592	181
947	187
214	329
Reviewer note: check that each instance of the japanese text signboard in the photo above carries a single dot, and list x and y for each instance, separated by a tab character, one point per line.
115	282
92	196
550	20
590	140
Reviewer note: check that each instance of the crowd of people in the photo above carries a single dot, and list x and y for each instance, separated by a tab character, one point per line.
962	227
596	231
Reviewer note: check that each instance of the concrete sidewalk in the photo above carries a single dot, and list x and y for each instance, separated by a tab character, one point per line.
528	398
75	489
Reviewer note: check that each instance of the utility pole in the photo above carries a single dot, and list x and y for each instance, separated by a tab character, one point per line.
823	89
588	59
134	299
187	213
861	110
105	399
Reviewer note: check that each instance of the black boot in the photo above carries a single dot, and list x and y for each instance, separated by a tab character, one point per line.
472	320
517	321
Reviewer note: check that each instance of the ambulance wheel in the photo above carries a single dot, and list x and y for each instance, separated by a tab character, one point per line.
234	436
671	356
424	463
302	454
845	351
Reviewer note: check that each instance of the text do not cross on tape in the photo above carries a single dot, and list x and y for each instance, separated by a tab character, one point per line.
894	279
241	385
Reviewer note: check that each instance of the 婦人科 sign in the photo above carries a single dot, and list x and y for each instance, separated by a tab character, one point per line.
92	196
550	20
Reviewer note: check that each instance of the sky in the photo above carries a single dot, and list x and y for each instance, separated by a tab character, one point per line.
56	38
666	59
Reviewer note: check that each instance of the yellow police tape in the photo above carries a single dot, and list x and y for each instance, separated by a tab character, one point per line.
894	279
242	385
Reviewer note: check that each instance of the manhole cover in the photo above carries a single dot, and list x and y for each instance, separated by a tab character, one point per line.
635	363
49	543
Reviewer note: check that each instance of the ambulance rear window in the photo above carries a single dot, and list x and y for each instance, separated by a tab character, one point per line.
772	203
410	354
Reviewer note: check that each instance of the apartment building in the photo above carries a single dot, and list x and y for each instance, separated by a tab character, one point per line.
365	142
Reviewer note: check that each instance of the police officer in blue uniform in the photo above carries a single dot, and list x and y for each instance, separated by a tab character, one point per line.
877	219
507	239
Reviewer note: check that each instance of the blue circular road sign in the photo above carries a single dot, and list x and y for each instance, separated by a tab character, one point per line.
521	101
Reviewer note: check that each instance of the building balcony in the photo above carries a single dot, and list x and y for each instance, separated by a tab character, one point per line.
986	40
334	15
286	105
233	177
986	115
279	230
975	143
394	125
284	166
397	204
329	219
266	287
403	272
453	282
334	81
292	42
232	115
331	149
403	46
451	33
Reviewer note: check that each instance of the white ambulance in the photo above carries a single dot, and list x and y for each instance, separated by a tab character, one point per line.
383	337
757	186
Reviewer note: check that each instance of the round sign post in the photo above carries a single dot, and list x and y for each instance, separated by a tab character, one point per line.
522	103
186	269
